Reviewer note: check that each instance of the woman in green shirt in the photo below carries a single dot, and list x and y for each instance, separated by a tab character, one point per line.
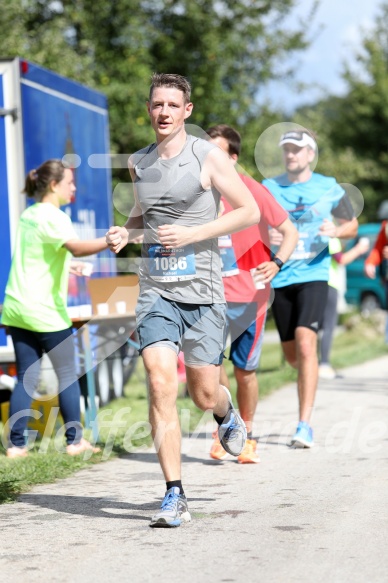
35	304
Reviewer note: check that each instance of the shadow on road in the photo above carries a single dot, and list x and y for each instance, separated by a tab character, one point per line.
95	507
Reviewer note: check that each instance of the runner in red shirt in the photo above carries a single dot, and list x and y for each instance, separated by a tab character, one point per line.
248	299
378	257
379	253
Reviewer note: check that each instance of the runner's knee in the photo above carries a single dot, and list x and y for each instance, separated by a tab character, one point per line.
292	361
306	349
204	398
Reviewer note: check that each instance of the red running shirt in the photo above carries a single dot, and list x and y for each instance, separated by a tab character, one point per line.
251	246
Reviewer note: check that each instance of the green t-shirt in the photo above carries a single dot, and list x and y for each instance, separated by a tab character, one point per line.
334	271
36	292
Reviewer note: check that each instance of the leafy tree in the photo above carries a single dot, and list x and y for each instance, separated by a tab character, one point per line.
356	125
227	49
337	159
37	30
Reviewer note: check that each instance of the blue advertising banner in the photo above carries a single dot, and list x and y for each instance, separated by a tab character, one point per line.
64	117
4	213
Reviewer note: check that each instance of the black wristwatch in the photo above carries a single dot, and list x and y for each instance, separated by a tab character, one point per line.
278	262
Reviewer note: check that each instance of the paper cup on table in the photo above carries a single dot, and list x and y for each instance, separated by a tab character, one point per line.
85	311
73	312
257	279
102	309
87	268
121	307
7	382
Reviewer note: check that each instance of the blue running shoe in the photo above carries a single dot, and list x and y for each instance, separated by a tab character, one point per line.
303	436
173	510
232	433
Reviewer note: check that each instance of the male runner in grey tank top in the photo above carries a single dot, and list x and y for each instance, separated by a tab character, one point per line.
178	182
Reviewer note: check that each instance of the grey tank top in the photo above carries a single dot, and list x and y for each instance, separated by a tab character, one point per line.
170	192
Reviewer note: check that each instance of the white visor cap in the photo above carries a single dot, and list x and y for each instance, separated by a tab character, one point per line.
300	139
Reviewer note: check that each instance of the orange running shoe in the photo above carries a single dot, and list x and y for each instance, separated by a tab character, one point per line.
249	453
217	452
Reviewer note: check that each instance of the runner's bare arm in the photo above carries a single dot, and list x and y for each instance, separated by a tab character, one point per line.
345	229
290	237
82	248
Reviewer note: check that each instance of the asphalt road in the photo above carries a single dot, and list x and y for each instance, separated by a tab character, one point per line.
298	516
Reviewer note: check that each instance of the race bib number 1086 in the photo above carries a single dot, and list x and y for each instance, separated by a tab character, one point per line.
171	264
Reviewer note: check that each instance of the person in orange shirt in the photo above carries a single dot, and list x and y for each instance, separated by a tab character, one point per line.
379	257
379	253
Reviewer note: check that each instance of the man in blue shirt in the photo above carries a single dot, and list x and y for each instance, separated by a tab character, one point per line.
320	209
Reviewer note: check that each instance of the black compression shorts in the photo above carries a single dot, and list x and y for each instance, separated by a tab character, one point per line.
299	304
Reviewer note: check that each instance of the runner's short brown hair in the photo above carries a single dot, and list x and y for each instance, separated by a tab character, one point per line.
171	80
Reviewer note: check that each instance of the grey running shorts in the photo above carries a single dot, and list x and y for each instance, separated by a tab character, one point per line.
196	330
